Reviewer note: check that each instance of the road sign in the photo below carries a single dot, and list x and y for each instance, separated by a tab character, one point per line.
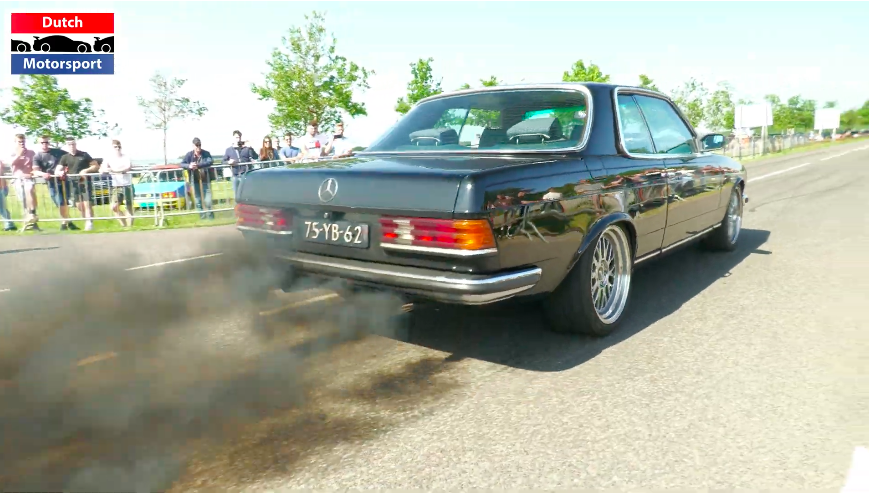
752	115
827	119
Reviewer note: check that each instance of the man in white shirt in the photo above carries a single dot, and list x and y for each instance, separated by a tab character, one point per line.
339	146
119	165
311	144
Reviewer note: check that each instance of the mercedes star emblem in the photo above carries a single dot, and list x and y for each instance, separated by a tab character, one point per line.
328	190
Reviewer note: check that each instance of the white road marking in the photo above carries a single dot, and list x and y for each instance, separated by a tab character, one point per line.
836	155
858	474
761	177
174	261
5	290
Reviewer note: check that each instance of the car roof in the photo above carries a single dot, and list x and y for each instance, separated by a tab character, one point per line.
592	86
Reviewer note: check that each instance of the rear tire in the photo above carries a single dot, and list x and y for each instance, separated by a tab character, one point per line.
594	296
725	237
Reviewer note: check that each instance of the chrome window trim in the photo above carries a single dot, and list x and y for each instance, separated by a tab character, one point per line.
563	87
630	91
438	251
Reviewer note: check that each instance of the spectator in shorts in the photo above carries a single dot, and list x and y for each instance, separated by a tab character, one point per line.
338	146
198	165
119	165
288	152
311	143
48	160
236	155
78	162
22	166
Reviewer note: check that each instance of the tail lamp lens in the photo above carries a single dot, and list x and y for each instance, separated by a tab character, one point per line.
262	218
463	234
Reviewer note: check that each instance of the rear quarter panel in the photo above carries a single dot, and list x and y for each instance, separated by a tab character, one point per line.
540	212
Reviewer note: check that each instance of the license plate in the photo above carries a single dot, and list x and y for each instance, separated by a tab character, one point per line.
341	233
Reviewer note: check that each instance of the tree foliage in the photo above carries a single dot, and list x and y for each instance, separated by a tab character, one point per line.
308	80
690	98
719	108
580	73
41	106
421	85
648	83
167	106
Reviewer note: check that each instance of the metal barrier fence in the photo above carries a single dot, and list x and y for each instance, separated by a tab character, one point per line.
152	195
748	147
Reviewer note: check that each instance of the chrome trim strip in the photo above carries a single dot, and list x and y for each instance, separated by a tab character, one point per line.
566	87
647	256
654	94
472	299
258	230
690	238
438	251
536	271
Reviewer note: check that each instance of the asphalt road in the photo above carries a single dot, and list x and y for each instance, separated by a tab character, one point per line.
739	370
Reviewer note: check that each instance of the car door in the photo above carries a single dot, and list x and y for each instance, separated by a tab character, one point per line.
640	176
694	179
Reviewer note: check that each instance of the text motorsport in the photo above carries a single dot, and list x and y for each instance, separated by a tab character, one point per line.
59	43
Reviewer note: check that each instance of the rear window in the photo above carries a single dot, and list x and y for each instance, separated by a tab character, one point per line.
509	120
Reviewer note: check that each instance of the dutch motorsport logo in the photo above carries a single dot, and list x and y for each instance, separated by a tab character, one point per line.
62	44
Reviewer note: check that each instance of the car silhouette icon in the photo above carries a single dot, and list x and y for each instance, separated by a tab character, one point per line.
20	46
59	44
105	45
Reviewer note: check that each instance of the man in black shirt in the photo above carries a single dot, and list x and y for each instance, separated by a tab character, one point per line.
48	159
77	162
198	165
235	156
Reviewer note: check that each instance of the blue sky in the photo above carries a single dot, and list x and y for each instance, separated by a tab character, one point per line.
817	50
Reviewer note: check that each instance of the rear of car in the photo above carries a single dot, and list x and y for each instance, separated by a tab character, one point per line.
405	214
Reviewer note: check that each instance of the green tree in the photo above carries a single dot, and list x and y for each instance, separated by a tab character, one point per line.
41	106
719	108
421	85
648	83
690	98
308	80
167	106
492	81
580	73
830	104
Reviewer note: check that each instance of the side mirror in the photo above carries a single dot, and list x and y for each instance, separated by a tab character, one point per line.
712	141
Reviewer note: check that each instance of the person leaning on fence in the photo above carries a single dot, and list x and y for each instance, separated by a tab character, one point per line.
119	165
22	166
338	146
311	143
237	155
289	153
198	165
8	225
48	159
78	162
267	152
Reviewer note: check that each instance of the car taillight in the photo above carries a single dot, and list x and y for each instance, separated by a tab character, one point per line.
168	195
265	218
460	234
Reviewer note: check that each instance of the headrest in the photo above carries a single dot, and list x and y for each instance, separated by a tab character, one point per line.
535	130
492	136
435	136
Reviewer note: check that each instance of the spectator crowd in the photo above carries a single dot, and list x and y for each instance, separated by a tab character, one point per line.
65	171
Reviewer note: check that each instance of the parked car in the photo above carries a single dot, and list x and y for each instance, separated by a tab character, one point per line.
163	186
570	186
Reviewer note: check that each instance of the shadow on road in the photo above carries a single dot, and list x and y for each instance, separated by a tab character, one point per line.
516	334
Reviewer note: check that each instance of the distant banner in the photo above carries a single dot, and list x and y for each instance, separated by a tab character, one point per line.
63	64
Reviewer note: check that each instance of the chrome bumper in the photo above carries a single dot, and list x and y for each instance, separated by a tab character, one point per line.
449	287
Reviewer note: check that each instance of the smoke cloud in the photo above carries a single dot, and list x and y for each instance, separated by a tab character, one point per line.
106	373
